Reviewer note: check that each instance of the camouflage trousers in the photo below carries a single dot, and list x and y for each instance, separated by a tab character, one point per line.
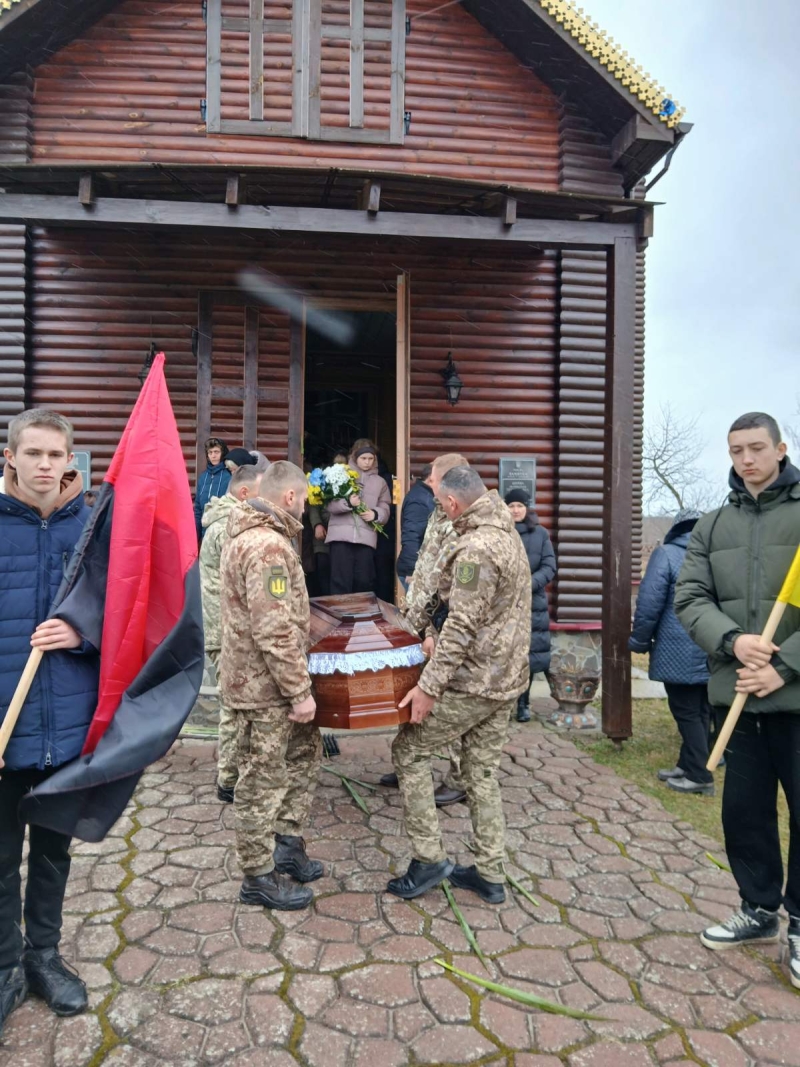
454	778
278	768
227	767
481	727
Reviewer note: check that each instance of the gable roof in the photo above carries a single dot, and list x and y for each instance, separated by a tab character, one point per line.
602	47
570	53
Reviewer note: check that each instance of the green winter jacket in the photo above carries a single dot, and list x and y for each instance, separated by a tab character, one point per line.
735	565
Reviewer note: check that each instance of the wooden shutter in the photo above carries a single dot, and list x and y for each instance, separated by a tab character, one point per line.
323	69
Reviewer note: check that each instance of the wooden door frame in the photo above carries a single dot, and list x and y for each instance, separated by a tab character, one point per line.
252	394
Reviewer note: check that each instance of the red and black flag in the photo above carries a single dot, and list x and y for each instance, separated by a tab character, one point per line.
132	590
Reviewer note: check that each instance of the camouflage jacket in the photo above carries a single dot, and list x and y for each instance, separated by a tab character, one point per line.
215	523
426	590
265	612
483	646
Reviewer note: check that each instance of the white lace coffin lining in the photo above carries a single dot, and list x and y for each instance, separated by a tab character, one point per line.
355	662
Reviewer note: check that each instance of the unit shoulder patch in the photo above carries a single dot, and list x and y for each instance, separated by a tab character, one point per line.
467	575
276	582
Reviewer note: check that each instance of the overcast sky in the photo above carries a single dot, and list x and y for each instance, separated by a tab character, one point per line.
723	269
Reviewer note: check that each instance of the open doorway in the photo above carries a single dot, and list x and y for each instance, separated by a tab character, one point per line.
351	392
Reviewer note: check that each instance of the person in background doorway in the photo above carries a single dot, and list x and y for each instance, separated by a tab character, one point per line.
319	518
262	463
542	561
239	457
675	659
736	563
352	540
213	481
243	485
386	547
416	510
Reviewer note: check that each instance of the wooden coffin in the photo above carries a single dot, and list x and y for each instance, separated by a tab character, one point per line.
362	662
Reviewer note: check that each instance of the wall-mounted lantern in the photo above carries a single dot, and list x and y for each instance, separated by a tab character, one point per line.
452	383
148	363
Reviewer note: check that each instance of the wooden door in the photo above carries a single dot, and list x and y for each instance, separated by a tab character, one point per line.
238	347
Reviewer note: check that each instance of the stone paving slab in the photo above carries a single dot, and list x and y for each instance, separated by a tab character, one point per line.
180	974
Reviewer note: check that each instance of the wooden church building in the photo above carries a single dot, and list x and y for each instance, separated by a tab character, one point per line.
460	182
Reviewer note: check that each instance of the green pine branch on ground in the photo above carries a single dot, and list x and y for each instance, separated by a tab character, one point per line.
654	745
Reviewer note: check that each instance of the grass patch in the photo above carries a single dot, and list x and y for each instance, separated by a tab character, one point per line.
655	744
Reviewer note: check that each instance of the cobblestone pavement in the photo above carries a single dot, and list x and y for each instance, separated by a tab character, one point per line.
179	973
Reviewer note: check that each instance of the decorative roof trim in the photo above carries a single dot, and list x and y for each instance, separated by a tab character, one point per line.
616	61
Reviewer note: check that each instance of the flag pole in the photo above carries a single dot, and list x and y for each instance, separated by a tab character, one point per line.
20	694
724	735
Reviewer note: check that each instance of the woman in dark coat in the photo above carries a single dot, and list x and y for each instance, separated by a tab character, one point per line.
542	560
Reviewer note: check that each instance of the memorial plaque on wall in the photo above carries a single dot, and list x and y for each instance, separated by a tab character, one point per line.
83	463
518	472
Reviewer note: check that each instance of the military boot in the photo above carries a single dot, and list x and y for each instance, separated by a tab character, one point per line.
291	858
13	990
51	978
470	878
272	891
419	878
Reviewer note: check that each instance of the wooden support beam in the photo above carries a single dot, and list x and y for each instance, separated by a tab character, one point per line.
86	190
205	312
545	233
509	210
297	390
370	198
250	415
618	487
234	190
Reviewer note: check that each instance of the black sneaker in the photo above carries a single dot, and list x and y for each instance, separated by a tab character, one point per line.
13	990
225	794
794	951
747	925
51	978
419	878
686	785
291	858
673	772
470	878
272	891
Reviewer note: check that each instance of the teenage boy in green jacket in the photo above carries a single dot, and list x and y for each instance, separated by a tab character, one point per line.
735	565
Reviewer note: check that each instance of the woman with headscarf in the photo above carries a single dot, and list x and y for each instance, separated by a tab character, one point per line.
542	560
352	540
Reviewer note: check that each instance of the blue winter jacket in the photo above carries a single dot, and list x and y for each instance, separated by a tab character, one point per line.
417	508
212	482
674	657
34	553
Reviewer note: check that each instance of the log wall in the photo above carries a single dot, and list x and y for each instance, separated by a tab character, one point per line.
101	297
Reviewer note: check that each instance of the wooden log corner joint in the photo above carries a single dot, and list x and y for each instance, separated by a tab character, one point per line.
362	662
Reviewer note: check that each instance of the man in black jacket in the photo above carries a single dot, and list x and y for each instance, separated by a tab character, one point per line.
417	507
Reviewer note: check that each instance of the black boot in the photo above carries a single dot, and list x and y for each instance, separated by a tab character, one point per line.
290	858
523	708
13	990
419	878
469	878
52	979
272	891
225	793
445	795
389	780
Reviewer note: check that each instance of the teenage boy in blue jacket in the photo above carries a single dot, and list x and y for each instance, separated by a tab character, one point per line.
42	514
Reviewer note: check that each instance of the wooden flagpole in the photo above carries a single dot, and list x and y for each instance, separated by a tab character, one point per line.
724	736
20	693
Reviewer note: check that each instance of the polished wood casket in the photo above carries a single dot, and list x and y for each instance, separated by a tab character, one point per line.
362	662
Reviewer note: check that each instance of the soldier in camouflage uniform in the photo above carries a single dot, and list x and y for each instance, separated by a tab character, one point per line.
242	486
264	679
425	609
468	689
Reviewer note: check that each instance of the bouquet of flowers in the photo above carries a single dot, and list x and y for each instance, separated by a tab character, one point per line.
338	482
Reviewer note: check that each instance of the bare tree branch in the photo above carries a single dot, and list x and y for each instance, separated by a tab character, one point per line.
672	479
